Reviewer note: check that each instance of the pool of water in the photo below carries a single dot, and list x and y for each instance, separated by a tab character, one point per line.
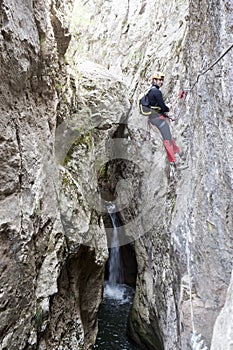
113	316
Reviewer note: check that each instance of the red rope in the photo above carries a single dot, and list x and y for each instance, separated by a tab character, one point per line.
182	95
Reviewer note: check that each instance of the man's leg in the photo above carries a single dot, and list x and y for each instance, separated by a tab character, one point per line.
175	147
169	145
170	151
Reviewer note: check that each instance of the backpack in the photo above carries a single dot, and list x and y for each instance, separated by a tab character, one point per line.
143	101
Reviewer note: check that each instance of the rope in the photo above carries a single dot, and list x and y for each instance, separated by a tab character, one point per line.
211	66
183	94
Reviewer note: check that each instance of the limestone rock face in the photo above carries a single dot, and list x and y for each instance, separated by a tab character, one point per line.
42	267
71	132
222	334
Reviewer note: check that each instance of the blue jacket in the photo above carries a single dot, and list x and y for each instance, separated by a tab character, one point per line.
156	99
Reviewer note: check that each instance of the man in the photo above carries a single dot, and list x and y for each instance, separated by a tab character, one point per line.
156	109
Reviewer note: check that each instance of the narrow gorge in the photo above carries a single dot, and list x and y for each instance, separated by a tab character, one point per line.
72	141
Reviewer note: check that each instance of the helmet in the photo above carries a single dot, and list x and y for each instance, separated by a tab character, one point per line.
158	75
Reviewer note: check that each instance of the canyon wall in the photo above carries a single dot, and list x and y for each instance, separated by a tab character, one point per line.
47	276
72	137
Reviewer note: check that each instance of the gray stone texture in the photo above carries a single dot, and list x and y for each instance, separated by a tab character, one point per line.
71	72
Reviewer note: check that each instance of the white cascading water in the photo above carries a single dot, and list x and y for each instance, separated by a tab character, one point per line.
117	297
114	287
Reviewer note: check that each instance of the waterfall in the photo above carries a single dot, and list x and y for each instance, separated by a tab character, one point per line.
114	287
117	298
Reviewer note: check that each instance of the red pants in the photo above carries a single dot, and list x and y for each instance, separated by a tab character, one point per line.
171	149
169	143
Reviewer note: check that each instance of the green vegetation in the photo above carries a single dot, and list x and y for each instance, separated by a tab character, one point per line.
83	141
42	41
67	182
38	317
103	170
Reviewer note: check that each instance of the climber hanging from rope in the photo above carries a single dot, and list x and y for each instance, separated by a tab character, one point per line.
153	106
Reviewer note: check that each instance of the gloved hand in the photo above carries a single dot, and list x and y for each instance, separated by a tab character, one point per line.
168	116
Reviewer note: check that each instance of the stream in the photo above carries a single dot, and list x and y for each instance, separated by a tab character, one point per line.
117	300
113	316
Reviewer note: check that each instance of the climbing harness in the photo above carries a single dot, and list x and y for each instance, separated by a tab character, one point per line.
182	94
143	101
